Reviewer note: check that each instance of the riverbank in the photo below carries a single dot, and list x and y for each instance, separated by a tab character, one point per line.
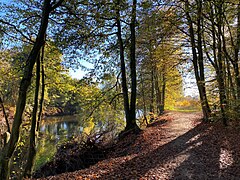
180	148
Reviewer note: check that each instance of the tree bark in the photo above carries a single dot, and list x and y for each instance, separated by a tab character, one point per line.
144	101
151	108
122	60
129	108
162	105
198	60
231	84
232	88
157	90
5	115
220	70
42	91
131	123
32	143
236	52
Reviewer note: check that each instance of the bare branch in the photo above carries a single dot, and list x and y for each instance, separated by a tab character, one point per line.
115	97
56	5
16	29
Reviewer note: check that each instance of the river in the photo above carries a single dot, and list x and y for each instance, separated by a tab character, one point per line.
57	130
54	131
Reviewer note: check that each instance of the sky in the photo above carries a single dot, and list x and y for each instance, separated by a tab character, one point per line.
78	74
190	87
6	1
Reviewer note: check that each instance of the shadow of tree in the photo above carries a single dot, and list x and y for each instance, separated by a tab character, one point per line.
230	152
193	155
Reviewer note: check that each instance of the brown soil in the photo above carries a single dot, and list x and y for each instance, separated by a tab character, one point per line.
177	146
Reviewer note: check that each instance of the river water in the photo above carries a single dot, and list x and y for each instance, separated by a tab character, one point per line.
56	130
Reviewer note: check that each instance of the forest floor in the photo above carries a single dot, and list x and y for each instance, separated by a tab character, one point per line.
176	146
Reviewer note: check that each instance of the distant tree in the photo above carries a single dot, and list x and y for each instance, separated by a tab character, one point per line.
156	52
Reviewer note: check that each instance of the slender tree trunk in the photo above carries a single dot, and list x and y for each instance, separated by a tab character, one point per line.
237	76
236	52
229	82
25	82
217	54
144	102
129	108
200	61
5	115
230	79
227	72
158	92
162	105
198	66
131	124
234	61
232	88
151	110
220	71
42	91
123	68
222	95
32	143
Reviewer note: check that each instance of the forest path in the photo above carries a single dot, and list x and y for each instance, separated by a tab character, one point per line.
181	122
177	146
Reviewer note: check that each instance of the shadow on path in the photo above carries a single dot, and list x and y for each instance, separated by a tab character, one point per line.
200	153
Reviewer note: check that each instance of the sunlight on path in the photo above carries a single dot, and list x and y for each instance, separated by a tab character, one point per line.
180	148
225	159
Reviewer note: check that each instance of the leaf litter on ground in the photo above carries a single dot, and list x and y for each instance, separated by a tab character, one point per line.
176	146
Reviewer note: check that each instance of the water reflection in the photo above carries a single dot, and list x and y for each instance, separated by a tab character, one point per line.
55	131
60	129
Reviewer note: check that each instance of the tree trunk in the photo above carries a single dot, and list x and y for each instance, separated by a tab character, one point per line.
144	102
32	143
131	123
151	108
201	64
237	76
42	91
130	111
158	92
25	82
198	61
5	115
236	52
220	71
230	81
162	105
231	88
123	68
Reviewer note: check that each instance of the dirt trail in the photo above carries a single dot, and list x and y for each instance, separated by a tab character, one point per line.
181	123
177	149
